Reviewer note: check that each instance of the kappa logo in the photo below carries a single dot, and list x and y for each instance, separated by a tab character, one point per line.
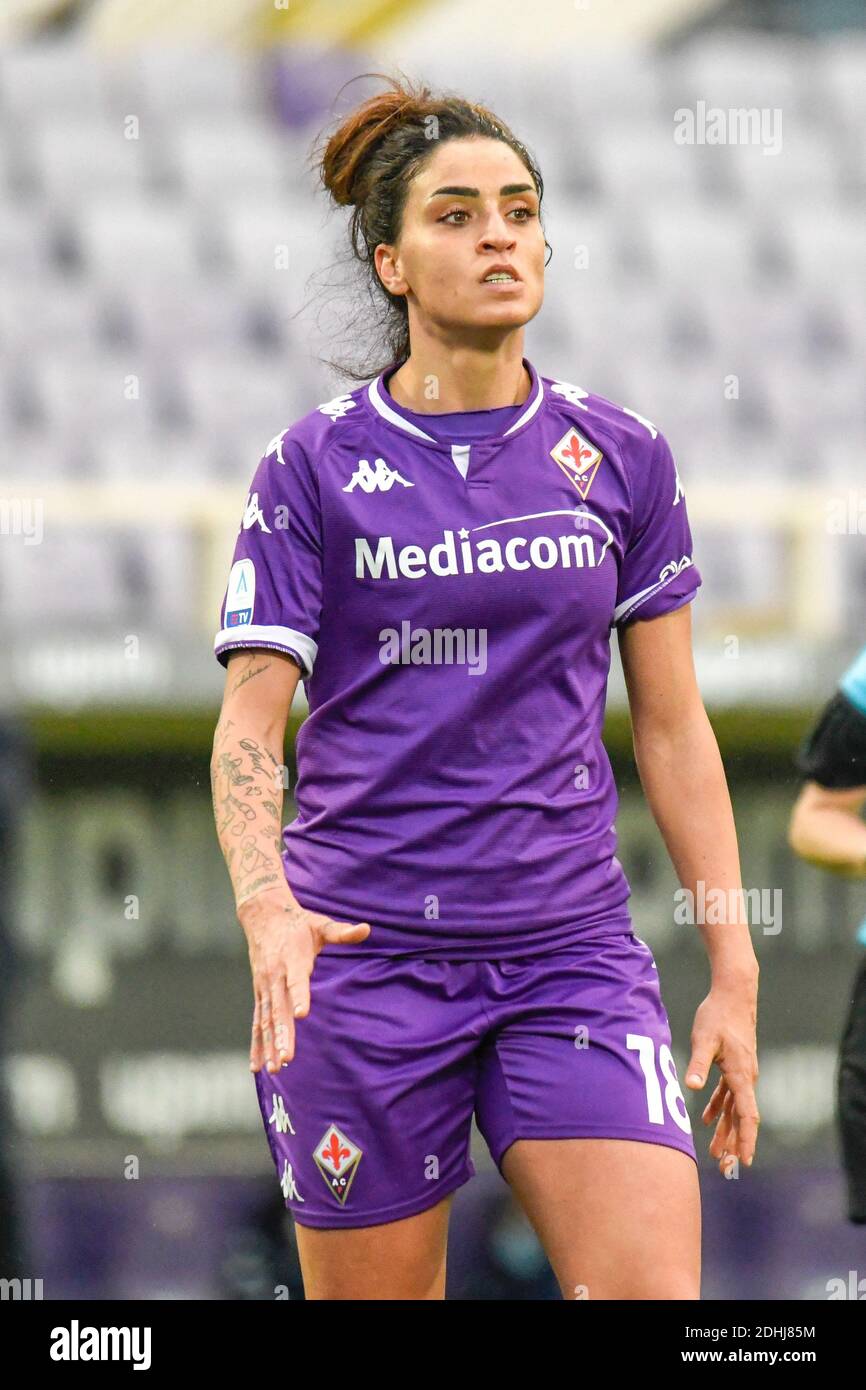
337	1160
642	420
674	567
279	1116
578	458
338	407
253	514
379	478
288	1184
575	395
276	447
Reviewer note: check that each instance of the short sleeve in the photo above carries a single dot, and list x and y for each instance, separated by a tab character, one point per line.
274	592
833	753
658	572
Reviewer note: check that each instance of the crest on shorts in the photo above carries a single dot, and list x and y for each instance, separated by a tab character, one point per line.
337	1159
578	459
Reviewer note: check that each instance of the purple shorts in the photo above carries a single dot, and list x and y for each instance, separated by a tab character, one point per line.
371	1120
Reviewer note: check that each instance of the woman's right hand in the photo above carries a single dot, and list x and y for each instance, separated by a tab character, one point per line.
284	940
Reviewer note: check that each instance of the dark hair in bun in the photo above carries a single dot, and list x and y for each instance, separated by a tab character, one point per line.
367	164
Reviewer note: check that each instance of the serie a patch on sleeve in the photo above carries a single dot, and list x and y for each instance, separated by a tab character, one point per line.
241	594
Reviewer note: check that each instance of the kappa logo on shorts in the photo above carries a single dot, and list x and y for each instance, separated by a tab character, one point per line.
337	1160
288	1184
578	459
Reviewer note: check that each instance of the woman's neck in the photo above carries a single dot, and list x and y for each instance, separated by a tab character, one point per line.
459	386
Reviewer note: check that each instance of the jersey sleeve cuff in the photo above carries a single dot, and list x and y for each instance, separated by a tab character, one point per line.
281	639
662	597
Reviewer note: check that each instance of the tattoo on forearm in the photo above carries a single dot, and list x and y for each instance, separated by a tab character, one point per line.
231	768
258	755
255	886
247	810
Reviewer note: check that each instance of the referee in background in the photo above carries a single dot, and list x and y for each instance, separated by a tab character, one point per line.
826	829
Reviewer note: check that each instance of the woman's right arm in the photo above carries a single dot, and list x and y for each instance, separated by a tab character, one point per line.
247	781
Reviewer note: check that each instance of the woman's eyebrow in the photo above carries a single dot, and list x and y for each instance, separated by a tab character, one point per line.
458	191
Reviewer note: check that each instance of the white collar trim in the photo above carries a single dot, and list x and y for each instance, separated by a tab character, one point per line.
530	409
379	404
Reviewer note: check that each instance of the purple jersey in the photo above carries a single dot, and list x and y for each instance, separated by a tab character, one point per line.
451	606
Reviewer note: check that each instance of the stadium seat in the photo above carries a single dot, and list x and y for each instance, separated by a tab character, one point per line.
210	154
122	238
825	247
769	71
807	167
177	80
53	78
76	157
27	242
275	244
840	65
688	242
98	395
644	162
234	392
173	318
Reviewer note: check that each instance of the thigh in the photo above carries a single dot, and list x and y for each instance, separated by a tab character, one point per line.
369	1125
579	1048
618	1218
401	1260
579	1056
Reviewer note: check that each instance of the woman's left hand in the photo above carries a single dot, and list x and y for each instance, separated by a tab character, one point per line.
725	1032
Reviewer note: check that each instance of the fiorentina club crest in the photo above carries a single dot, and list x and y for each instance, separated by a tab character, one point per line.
578	460
337	1160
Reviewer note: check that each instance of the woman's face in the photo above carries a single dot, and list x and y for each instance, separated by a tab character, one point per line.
449	241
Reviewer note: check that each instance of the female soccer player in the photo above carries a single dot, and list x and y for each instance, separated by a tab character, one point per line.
826	828
442	554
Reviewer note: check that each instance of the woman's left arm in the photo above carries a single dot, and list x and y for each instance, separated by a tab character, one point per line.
684	782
